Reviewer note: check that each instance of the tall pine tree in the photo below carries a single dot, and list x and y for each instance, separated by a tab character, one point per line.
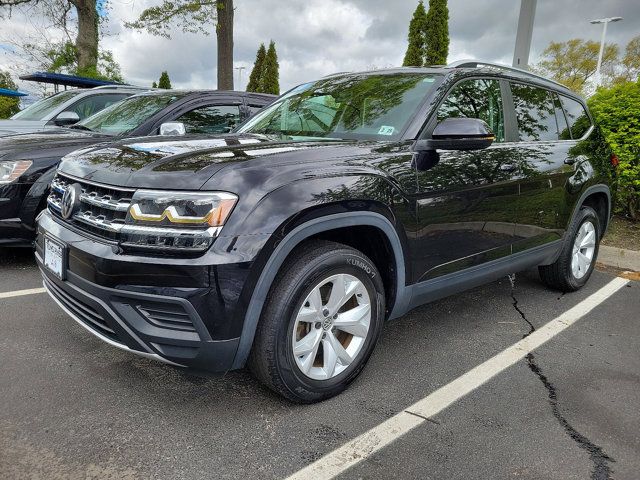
437	33
258	67
416	49
164	81
270	82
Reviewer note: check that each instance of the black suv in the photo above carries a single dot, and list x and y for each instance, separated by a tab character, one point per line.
28	162
345	203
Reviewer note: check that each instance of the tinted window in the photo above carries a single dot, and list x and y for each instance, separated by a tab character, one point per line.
128	114
535	113
349	106
95	103
476	99
563	128
44	107
578	119
211	119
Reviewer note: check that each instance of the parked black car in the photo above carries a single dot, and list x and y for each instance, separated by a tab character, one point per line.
28	162
347	202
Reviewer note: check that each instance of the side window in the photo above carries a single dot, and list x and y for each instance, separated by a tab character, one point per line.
211	119
479	98
94	103
577	117
535	113
563	128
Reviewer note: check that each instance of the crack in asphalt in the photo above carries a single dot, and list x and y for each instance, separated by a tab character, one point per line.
601	469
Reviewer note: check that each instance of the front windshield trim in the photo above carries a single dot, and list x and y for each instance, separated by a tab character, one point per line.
422	97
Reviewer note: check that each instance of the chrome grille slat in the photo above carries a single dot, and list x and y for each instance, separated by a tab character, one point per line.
103	208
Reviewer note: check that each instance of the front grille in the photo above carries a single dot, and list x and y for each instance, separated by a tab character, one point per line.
102	210
81	311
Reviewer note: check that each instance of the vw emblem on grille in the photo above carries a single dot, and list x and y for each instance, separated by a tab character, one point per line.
70	200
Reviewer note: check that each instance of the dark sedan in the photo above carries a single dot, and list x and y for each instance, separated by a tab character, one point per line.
28	162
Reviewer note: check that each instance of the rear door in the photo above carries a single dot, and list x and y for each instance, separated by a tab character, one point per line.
544	142
466	199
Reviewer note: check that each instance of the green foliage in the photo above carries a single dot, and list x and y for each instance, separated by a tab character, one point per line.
8	105
154	85
191	16
617	111
63	58
414	57
437	33
270	79
164	81
256	74
573	63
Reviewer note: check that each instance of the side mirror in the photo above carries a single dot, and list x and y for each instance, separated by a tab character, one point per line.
172	128
66	118
458	134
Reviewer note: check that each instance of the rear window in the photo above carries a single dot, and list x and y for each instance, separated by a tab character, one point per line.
577	117
535	112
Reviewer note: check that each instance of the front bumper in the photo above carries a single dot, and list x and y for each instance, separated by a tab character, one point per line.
185	325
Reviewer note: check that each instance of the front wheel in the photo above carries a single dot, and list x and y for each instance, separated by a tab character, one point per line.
577	259
322	319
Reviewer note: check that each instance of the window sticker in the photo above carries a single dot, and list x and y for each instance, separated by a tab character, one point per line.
386	130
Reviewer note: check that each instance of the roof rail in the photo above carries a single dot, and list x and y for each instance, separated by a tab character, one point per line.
477	64
120	87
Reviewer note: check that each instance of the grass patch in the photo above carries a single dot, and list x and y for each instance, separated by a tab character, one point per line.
623	233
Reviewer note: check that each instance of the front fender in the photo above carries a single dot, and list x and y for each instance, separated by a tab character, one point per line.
35	199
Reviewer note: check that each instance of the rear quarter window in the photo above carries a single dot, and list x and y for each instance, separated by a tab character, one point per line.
579	121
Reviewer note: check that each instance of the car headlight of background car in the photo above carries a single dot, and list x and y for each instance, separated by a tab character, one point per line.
186	221
11	170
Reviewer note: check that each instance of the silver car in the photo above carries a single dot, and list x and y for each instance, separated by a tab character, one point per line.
65	108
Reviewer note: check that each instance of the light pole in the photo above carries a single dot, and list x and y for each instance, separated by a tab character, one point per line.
240	75
604	22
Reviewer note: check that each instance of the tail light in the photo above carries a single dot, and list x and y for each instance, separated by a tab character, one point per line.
615	161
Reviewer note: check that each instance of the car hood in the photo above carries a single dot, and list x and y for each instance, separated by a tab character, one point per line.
56	141
9	127
185	164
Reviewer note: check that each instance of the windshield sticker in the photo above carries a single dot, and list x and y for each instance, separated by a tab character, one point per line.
386	130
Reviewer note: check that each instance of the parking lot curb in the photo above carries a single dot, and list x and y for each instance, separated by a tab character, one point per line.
619	258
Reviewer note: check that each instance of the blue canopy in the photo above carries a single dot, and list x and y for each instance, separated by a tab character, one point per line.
68	80
11	93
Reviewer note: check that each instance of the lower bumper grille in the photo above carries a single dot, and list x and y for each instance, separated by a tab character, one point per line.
81	310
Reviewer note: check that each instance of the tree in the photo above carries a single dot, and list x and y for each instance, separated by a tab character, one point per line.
414	57
86	42
437	33
9	106
256	73
164	81
154	85
270	81
631	60
195	16
573	63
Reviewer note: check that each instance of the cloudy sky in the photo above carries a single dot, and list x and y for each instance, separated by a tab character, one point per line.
318	37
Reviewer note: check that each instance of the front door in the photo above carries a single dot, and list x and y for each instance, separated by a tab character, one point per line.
466	199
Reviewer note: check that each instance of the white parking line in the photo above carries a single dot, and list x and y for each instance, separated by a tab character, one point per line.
378	437
19	293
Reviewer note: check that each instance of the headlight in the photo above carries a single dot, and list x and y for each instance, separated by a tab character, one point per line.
185	221
10	171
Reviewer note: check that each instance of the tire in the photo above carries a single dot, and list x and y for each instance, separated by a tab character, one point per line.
562	274
297	308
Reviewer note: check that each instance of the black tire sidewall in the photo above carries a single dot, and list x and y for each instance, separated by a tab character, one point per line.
339	262
585	214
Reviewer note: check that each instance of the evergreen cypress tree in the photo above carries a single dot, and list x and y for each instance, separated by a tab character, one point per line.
154	85
416	49
437	33
164	81
256	73
270	82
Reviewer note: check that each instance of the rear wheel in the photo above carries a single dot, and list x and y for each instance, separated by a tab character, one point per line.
322	319
577	259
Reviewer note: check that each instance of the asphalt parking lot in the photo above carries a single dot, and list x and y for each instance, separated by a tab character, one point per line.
73	407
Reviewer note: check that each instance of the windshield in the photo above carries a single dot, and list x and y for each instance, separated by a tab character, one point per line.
126	115
376	107
42	108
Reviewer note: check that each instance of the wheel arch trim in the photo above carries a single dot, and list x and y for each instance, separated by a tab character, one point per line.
293	239
597	188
